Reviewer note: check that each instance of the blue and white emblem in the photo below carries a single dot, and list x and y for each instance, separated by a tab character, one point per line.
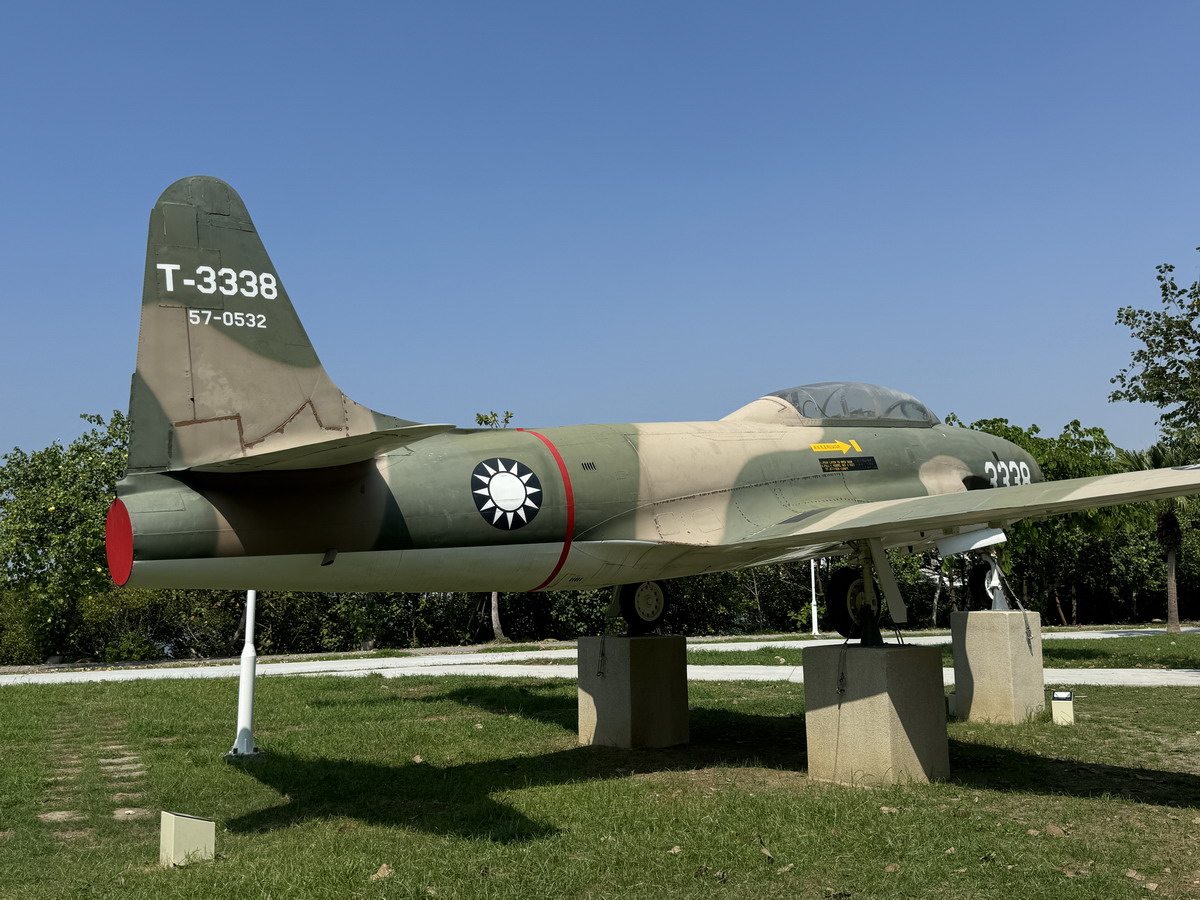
507	493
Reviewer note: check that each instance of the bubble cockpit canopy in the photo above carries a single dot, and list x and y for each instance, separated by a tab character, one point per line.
841	403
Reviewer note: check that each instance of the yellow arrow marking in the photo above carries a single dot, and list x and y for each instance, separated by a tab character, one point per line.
840	446
855	445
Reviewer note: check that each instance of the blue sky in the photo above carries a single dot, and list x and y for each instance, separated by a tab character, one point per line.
610	211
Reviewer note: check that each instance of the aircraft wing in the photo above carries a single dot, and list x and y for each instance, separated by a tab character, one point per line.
918	519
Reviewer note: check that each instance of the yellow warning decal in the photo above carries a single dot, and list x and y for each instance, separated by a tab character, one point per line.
839	446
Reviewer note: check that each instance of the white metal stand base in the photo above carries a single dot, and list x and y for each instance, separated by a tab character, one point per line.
243	744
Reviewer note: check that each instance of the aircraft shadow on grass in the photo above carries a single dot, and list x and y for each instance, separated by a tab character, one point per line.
462	799
1001	769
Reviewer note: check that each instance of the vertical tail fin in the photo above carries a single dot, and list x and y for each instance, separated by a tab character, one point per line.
224	368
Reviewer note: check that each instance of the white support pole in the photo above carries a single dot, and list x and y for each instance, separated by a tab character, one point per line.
812	573
243	744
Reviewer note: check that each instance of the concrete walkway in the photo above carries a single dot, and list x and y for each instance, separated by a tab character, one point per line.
500	665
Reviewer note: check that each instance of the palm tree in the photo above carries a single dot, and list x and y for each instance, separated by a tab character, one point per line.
1168	531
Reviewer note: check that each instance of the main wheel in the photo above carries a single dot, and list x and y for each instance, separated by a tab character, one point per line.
844	600
642	605
977	592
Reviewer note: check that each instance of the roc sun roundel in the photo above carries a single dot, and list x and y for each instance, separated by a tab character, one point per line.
506	492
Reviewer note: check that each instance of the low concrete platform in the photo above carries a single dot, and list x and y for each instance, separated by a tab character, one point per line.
875	715
185	839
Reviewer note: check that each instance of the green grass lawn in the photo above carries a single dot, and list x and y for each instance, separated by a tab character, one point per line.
767	656
1179	651
517	648
1155	651
475	787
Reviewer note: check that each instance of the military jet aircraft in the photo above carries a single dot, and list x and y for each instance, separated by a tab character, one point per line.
248	467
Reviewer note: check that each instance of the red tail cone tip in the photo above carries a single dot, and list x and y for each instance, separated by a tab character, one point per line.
118	542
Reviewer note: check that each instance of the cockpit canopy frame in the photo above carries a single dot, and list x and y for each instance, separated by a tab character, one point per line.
857	403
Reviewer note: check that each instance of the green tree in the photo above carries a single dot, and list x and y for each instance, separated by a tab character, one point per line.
1097	556
1165	370
494	419
1169	513
52	510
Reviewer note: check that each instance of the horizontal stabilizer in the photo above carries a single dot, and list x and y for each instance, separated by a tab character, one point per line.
325	454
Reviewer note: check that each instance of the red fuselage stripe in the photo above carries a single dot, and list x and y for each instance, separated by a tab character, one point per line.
566	480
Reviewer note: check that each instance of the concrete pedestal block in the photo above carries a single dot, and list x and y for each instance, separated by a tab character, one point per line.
998	665
875	715
185	839
633	691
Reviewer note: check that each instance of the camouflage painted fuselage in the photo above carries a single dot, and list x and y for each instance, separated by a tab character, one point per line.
617	504
248	467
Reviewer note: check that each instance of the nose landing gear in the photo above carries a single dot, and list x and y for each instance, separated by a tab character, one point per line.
985	585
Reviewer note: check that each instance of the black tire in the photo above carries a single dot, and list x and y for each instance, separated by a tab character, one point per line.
977	593
643	605
843	599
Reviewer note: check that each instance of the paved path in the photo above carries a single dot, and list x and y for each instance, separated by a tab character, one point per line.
501	665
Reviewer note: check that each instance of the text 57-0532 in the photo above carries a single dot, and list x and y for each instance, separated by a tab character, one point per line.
227	318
